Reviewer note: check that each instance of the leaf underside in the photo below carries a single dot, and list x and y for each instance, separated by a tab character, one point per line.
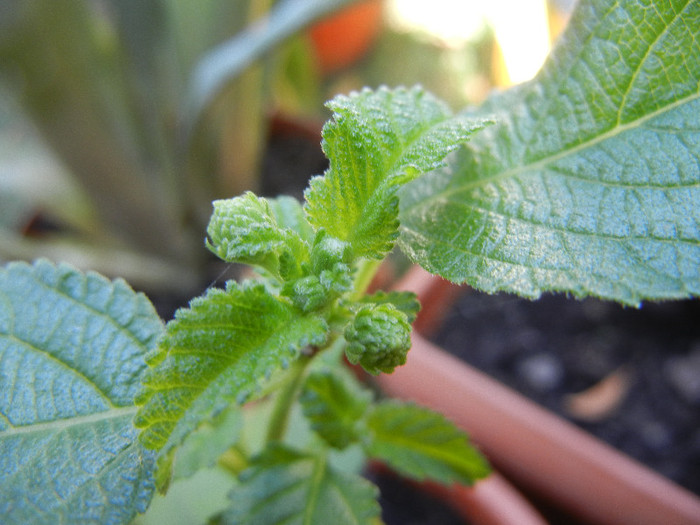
590	180
288	487
72	351
219	351
377	141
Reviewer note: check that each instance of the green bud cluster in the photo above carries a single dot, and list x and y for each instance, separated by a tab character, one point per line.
327	277
378	338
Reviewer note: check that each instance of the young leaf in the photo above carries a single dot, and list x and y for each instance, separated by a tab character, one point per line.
289	213
334	404
72	350
244	229
590	181
377	141
216	352
422	444
289	487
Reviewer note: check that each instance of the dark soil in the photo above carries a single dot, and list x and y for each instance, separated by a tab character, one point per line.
557	346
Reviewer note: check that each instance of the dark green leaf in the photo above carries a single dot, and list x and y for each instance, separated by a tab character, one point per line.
72	350
422	444
590	181
290	488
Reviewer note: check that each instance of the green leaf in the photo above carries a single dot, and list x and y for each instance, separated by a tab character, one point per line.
245	230
590	181
204	446
377	141
422	444
335	405
72	350
218	351
289	487
289	213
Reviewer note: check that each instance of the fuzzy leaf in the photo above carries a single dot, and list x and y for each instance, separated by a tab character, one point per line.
72	350
245	230
290	488
590	181
422	444
377	141
216	352
334	404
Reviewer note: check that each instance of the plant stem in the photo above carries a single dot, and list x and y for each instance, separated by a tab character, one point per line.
366	270
285	399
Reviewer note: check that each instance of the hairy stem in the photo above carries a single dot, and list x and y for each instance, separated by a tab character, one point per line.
285	399
366	270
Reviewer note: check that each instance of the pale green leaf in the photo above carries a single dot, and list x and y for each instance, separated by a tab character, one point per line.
590	181
72	350
293	488
204	446
245	230
219	351
289	213
376	141
422	444
334	404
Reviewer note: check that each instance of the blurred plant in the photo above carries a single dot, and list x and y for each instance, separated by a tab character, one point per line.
155	107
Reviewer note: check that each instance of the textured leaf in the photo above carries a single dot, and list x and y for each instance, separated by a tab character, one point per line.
422	444
244	229
218	351
590	181
377	141
72	350
290	488
334	404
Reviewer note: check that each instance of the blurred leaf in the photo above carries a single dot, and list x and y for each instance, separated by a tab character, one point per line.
204	446
72	350
225	62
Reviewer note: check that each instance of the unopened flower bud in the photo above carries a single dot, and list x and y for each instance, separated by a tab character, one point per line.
378	338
